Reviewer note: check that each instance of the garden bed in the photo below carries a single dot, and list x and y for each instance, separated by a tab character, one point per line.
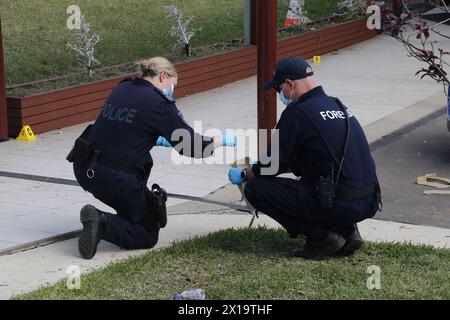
76	104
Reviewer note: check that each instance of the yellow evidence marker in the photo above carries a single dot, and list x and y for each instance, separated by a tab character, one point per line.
26	134
316	59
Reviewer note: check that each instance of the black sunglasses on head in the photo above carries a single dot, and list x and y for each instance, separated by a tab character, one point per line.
277	88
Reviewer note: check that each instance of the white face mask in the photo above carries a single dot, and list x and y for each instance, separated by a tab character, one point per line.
285	100
169	92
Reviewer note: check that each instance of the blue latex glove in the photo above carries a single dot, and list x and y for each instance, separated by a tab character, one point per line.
229	140
162	142
235	175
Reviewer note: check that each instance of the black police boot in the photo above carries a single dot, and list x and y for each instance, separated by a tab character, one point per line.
353	241
315	249
93	227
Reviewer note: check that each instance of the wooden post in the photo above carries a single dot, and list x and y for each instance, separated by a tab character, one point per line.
3	106
267	59
398	7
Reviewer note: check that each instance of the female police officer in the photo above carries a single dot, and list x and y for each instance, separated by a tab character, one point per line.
112	159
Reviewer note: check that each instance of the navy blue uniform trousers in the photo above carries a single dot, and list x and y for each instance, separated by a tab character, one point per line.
294	205
126	194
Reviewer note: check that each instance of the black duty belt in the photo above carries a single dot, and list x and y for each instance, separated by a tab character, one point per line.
356	193
85	152
99	157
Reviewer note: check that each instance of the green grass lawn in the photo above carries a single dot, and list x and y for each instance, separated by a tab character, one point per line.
35	33
256	264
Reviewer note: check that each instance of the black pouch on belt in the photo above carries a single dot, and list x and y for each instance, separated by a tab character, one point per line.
82	149
157	218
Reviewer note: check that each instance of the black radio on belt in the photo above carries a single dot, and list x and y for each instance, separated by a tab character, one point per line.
326	192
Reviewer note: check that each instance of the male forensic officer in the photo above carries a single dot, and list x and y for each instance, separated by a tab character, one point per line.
335	191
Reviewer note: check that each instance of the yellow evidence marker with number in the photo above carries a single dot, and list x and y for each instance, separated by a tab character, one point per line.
316	59
26	134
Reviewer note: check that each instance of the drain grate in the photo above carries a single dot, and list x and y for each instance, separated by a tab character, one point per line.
393	136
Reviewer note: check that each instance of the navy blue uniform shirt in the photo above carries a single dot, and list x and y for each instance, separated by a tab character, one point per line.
134	116
309	129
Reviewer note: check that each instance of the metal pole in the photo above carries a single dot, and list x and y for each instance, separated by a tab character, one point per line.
3	105
267	59
248	22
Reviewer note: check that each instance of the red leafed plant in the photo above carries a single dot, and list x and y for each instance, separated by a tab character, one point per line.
414	33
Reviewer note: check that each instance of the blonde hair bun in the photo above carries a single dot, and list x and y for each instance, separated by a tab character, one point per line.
154	66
